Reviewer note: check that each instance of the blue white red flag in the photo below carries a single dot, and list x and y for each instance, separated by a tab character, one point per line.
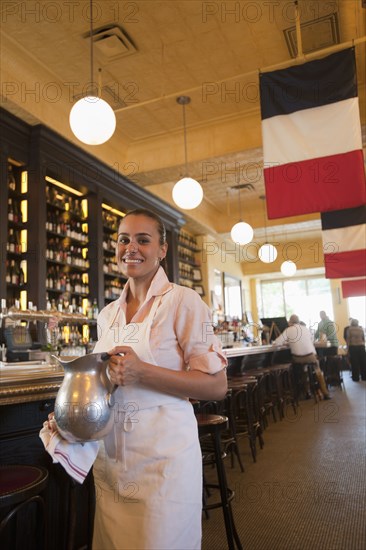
312	142
344	242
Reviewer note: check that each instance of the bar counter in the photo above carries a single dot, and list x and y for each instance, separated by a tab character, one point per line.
27	396
29	381
34	380
241	350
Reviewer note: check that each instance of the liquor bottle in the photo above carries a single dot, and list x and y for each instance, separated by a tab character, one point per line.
11	179
21	276
10	210
95	309
15	273
11	245
17	214
89	310
9	272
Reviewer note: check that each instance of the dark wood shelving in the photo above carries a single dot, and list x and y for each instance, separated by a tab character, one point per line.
44	154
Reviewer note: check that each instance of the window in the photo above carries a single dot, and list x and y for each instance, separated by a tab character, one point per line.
232	297
273	304
305	297
357	309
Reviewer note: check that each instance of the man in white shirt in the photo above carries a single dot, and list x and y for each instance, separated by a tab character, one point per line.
298	338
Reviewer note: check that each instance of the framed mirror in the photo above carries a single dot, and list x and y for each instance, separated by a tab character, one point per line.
233	303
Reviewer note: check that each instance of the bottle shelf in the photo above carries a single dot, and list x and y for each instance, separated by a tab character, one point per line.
110	230
111	220
65	237
13	286
189	268
116	275
15	255
69	265
16	237
193	249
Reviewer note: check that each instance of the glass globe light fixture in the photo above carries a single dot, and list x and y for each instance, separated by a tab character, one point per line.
267	253
242	233
187	193
92	120
288	268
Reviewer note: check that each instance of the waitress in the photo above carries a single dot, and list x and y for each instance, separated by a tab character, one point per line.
148	473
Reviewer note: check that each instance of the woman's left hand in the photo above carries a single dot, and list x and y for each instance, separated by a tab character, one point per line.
125	366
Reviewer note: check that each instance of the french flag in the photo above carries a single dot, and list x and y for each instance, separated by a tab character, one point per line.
344	242
312	142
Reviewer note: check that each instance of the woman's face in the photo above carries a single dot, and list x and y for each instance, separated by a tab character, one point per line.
138	247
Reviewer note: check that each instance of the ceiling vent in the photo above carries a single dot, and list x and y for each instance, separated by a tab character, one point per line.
112	42
316	35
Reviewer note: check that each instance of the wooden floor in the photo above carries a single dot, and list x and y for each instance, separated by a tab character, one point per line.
307	489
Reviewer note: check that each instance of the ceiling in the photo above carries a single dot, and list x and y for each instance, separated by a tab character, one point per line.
151	52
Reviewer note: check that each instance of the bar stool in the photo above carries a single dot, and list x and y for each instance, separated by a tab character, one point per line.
21	485
246	408
277	389
213	425
303	371
288	386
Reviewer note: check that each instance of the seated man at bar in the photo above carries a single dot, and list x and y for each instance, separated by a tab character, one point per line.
297	336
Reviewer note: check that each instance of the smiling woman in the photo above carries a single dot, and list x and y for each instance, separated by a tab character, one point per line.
162	352
141	245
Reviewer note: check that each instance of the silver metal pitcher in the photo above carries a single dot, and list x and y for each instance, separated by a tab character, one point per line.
84	403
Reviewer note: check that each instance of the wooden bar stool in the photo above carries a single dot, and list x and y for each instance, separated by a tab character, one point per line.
213	425
20	486
246	407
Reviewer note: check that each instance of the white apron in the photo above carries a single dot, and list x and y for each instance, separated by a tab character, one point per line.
148	473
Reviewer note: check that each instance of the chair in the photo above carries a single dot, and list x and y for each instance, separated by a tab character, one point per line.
213	425
20	493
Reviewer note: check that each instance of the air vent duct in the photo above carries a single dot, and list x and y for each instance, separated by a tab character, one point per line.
112	42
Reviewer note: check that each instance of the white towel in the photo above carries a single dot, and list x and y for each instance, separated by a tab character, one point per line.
76	458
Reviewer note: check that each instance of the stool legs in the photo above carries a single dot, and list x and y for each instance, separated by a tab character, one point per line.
231	532
38	500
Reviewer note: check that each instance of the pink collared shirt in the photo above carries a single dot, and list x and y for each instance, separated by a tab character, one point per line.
181	335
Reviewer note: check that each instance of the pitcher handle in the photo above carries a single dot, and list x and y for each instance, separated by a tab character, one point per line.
111	388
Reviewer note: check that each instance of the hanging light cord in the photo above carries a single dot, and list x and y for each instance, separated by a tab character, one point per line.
185	140
91	45
240	217
265	218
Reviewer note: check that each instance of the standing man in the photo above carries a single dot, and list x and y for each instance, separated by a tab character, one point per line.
356	350
298	337
328	328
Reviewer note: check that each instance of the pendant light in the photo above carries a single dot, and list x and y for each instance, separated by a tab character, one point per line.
288	268
187	192
242	233
267	252
92	120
